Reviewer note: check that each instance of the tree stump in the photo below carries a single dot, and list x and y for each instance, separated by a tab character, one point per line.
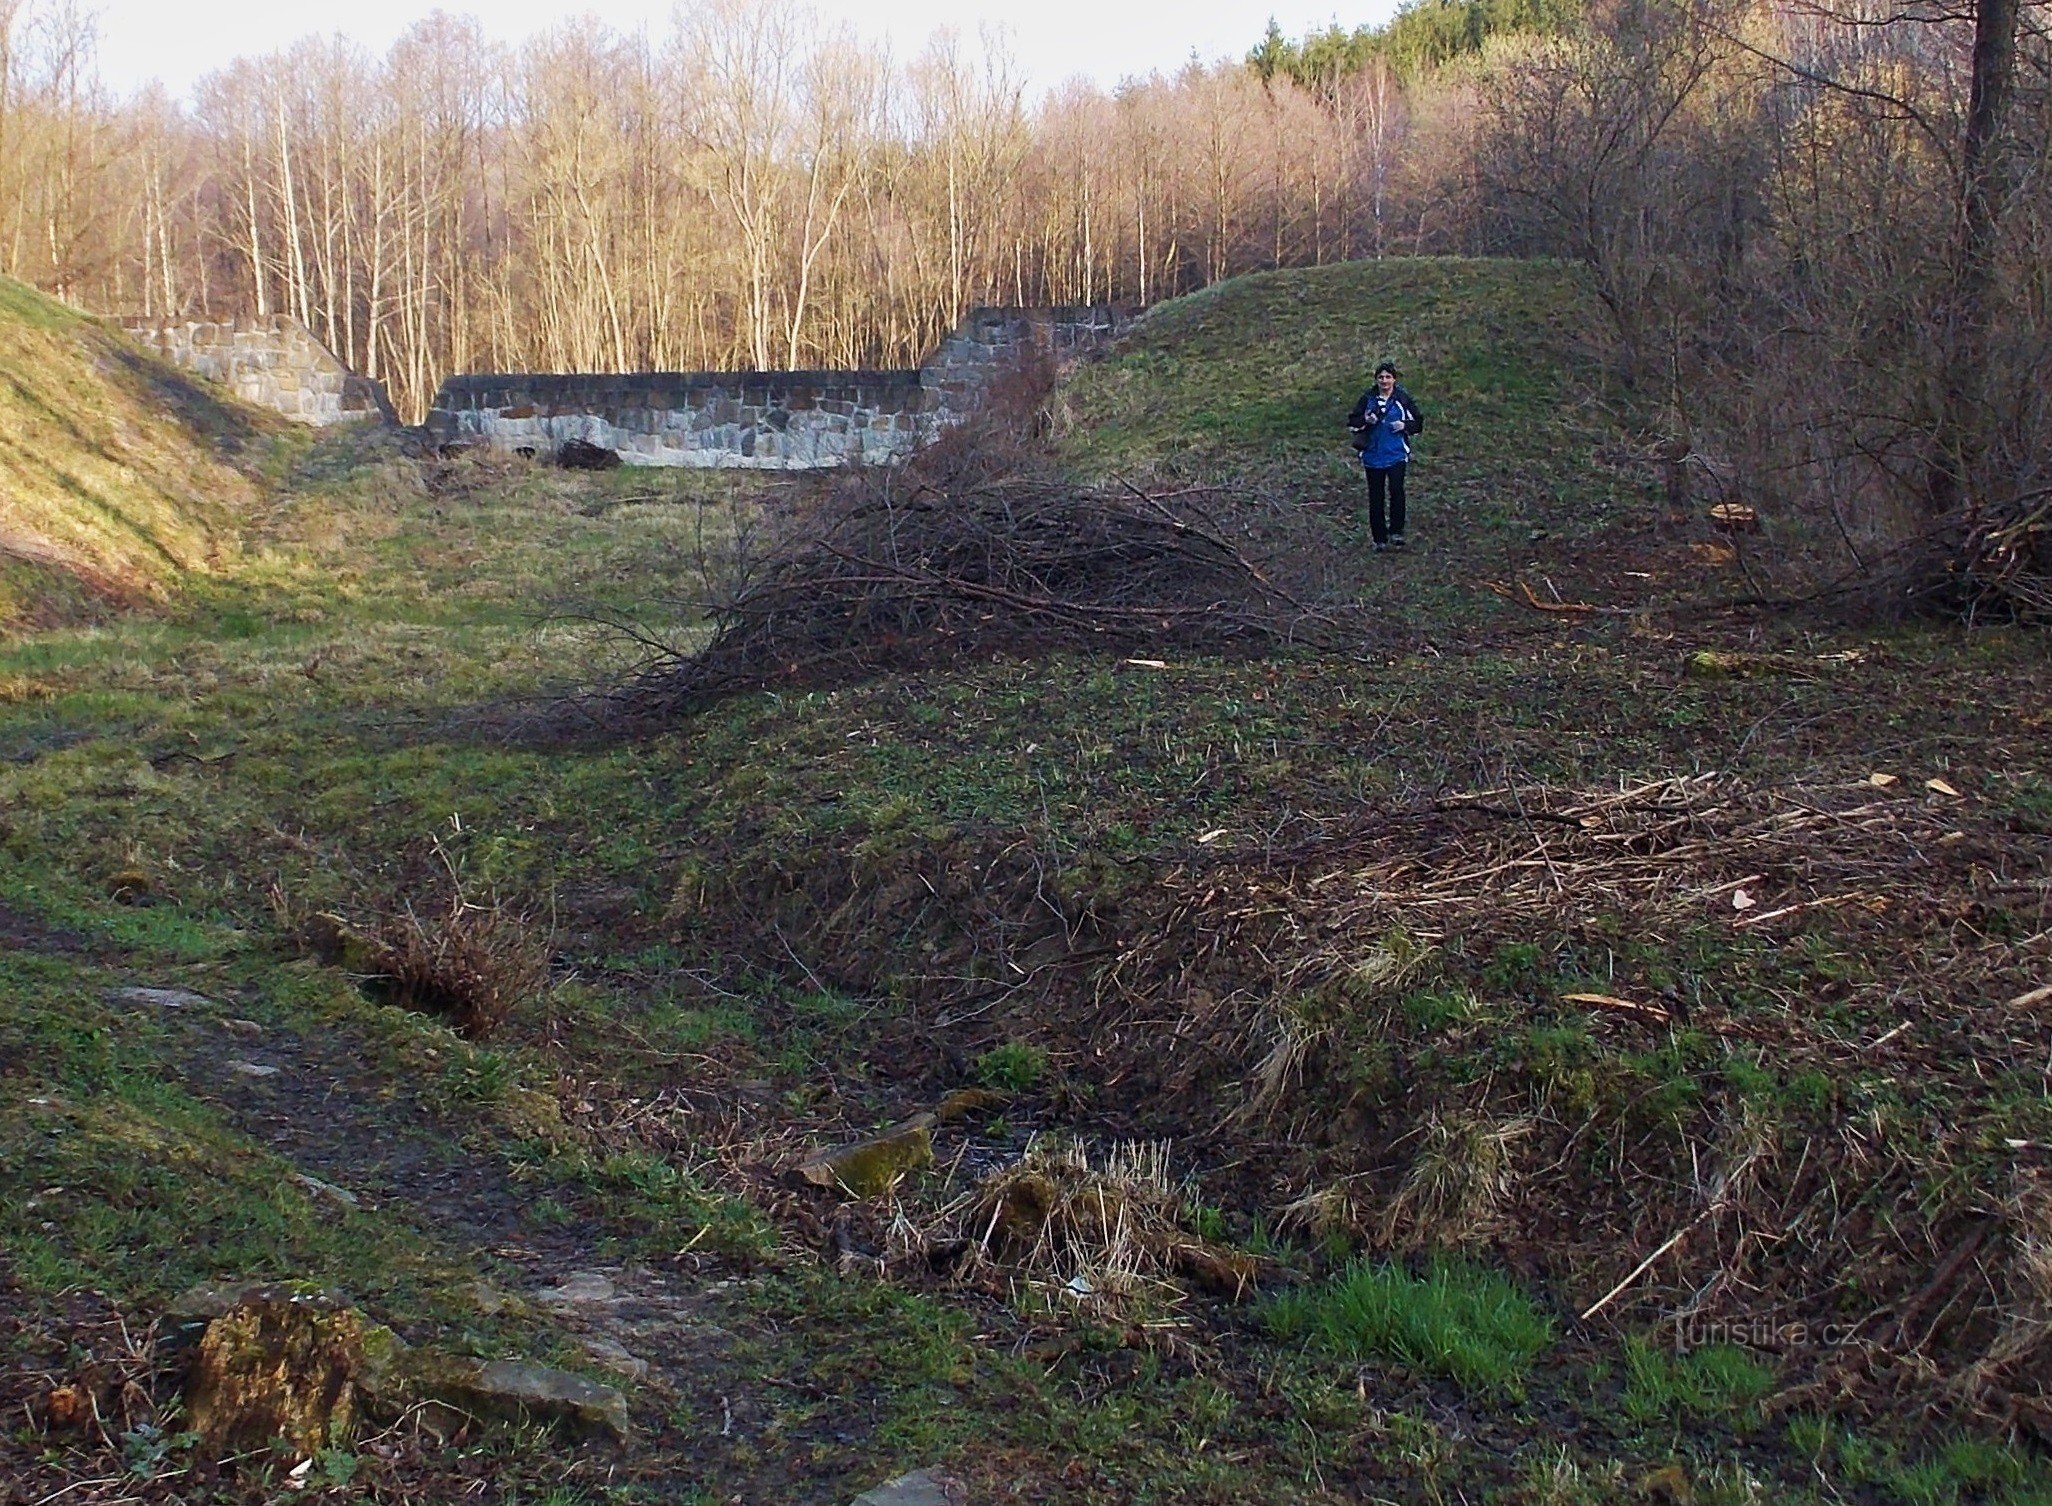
275	1371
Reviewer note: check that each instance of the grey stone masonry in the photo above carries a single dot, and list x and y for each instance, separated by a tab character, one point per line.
781	420
272	362
995	343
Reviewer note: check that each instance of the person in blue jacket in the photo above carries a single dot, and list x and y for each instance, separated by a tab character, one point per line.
1382	424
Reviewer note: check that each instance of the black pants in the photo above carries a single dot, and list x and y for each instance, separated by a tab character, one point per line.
1385	481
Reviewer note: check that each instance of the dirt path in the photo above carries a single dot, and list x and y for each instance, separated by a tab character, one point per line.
689	1345
314	1098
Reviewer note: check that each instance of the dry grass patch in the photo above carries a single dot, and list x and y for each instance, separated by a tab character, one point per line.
468	961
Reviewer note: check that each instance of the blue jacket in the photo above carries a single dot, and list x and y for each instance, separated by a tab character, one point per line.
1383	446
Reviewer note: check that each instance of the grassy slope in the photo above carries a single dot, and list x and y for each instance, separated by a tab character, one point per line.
1264	368
764	908
1249	384
113	473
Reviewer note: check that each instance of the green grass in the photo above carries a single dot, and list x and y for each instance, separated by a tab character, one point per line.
1192	379
115	1176
651	1207
1014	1066
1717	1383
1958	1470
1193	387
22	305
1465	1323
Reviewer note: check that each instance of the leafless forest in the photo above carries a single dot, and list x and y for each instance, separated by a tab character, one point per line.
1823	234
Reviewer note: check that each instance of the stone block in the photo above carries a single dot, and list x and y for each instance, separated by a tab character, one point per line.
925	1487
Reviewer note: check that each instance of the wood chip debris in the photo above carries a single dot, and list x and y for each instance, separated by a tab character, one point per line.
1612	1001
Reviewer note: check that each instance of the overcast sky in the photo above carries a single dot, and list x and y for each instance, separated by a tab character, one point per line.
179	41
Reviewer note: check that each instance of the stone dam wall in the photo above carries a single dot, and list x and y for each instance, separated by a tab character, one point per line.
780	420
777	419
993	344
271	362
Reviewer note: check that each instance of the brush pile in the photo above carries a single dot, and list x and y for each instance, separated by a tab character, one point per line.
1461	1026
980	547
1355	907
2006	569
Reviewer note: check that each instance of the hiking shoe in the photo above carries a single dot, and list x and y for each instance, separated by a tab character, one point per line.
1396	541
1381	548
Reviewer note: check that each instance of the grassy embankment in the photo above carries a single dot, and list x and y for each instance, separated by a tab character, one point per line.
803	916
114	473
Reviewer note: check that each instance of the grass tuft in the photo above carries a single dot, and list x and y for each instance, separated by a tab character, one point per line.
1718	1381
1457	1184
1014	1066
471	963
1457	1320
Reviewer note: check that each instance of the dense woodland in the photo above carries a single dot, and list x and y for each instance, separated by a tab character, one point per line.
1821	231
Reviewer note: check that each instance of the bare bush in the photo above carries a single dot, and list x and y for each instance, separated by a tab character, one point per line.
470	962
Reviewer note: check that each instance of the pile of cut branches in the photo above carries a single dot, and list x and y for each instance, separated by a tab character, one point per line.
1667	857
1867	966
981	547
2005	569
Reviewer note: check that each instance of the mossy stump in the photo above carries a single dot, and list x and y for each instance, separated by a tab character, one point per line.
275	1372
876	1165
